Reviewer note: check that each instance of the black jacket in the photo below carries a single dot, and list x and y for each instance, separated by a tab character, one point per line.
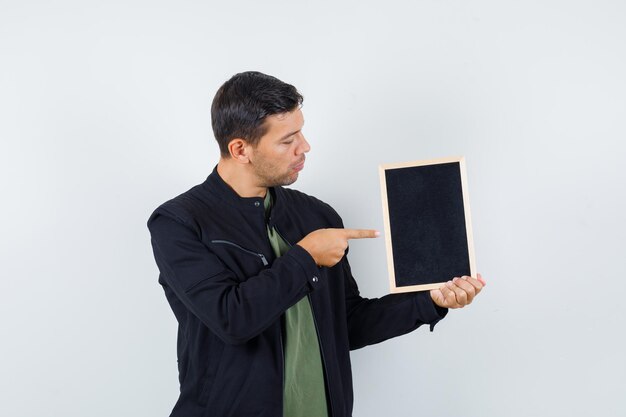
228	293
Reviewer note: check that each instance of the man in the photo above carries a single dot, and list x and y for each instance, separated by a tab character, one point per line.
258	278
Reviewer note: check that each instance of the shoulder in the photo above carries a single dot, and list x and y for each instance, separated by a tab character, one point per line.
181	208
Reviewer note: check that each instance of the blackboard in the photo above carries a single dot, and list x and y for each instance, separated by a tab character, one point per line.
427	223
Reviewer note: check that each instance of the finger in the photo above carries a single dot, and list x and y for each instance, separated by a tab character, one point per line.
482	281
459	293
449	298
478	285
469	289
360	233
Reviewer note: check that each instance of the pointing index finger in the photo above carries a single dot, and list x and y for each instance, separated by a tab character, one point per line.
361	233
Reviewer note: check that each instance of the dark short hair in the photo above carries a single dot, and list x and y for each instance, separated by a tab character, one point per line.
242	103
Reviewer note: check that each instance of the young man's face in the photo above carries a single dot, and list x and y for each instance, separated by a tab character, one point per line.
278	157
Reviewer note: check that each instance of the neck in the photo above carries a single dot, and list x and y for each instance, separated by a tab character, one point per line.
240	178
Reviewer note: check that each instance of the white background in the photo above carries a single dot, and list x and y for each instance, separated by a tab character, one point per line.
104	114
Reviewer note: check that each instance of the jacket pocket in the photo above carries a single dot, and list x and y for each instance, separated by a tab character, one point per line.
242	249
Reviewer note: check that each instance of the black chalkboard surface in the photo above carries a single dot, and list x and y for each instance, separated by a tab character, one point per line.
427	223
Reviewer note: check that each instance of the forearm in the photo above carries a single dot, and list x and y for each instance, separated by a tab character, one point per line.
372	321
234	310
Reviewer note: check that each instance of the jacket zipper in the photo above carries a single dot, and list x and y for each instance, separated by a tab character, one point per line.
259	255
282	348
319	340
330	395
282	370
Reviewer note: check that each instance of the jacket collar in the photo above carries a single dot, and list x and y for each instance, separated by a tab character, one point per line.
217	186
282	210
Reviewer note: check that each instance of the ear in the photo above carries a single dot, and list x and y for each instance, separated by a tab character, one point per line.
239	150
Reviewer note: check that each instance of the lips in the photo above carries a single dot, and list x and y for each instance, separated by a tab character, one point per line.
299	166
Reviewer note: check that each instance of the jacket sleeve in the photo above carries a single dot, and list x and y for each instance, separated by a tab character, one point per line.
374	320
235	311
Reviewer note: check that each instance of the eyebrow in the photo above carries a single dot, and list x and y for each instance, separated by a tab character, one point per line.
289	134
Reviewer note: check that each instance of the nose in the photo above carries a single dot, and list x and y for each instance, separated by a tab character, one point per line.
304	145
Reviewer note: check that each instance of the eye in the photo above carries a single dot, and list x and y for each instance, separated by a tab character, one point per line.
287	142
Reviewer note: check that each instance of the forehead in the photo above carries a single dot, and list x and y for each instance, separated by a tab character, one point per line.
284	123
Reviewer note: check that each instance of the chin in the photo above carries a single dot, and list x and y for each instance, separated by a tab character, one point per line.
280	182
288	180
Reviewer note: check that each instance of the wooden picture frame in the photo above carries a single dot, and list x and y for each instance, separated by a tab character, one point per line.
428	232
